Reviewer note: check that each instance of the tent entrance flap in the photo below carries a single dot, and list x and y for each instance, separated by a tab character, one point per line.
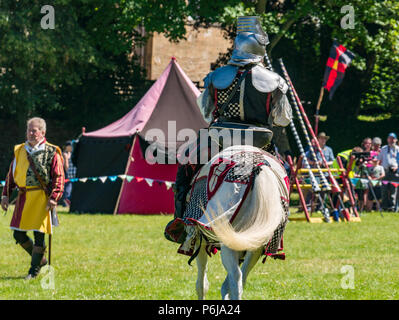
99	157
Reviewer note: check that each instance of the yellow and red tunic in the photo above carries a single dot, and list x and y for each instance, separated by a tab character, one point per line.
30	209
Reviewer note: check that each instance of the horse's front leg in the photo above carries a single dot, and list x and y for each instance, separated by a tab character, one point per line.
233	282
202	284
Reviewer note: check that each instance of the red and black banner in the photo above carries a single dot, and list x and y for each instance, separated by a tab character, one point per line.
338	61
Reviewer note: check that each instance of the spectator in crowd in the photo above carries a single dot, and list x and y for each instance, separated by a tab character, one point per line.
366	144
366	147
328	153
376	146
361	172
389	160
70	173
346	156
375	174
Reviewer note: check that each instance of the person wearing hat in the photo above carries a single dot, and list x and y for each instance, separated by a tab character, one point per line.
389	160
328	153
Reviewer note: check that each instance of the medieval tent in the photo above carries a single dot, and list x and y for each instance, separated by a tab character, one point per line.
118	150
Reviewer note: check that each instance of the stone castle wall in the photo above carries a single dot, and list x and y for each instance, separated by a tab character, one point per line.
195	54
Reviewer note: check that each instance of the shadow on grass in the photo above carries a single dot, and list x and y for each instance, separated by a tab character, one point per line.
5	278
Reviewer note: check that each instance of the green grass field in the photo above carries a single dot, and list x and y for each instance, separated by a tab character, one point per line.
127	257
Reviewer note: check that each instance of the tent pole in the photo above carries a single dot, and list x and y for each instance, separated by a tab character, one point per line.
129	161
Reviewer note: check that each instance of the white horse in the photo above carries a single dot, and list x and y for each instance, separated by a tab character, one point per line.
253	226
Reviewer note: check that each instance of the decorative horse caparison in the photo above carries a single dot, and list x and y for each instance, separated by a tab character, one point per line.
241	216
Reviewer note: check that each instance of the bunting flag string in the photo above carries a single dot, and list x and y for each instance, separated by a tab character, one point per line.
357	182
169	184
103	178
123	177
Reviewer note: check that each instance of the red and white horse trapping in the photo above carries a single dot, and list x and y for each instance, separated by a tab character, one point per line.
222	186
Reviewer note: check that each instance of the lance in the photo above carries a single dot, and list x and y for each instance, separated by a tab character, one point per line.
300	110
313	181
303	117
325	184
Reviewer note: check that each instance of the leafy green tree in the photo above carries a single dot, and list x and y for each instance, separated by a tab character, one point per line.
89	50
302	31
84	71
87	64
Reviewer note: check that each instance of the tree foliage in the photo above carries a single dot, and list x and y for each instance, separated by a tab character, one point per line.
86	63
85	70
301	31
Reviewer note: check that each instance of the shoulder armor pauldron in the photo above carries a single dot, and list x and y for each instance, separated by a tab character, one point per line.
222	77
267	81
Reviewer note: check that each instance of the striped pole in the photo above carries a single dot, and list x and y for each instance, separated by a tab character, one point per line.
325	185
313	181
303	117
302	114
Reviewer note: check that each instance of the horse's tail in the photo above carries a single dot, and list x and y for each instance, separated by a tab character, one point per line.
258	218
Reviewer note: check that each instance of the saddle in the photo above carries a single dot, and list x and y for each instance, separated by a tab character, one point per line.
224	134
240	134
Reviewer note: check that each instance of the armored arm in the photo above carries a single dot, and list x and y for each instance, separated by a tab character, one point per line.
206	105
268	81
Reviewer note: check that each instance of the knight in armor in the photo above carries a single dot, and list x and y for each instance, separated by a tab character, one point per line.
243	95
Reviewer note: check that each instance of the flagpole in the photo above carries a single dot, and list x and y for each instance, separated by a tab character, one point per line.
316	126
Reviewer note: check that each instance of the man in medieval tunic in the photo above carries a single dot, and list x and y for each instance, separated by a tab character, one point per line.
242	93
37	173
